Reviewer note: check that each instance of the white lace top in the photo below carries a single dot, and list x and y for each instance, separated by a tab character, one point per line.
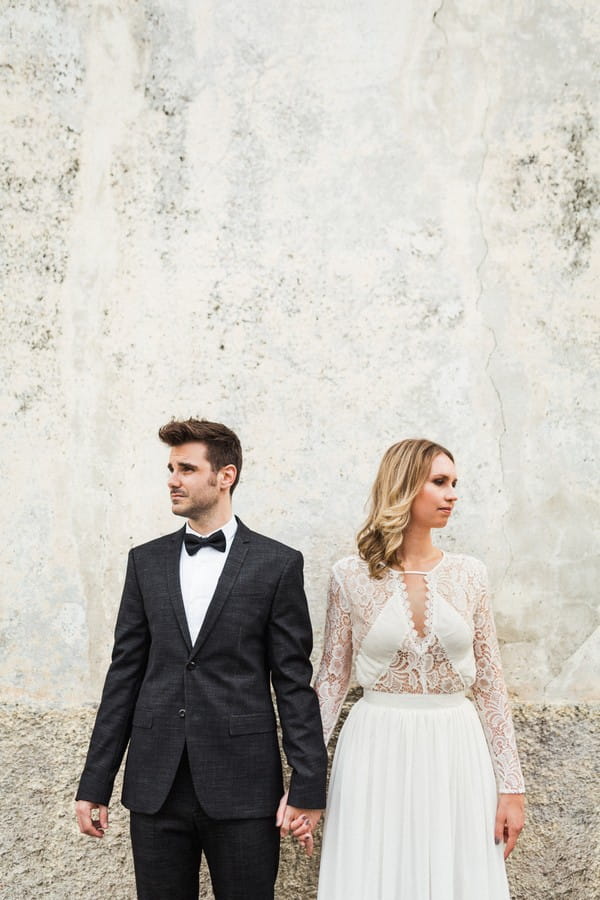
371	623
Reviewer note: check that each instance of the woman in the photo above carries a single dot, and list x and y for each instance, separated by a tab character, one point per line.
426	793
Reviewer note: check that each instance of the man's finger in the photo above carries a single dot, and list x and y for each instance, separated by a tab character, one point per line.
88	827
92	827
281	810
285	825
102	817
91	818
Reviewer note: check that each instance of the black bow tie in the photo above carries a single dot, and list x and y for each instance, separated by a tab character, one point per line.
193	543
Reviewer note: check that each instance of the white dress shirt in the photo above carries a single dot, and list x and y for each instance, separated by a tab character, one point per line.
199	575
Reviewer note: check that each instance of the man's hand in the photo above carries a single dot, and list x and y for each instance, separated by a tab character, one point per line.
300	823
510	818
92	818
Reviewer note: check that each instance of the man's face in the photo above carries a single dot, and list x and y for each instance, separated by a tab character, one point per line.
192	483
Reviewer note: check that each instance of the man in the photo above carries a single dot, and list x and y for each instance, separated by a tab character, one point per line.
211	616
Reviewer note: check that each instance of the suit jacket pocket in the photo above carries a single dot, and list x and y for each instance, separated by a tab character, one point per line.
142	718
252	724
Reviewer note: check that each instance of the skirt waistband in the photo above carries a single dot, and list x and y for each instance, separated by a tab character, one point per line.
414	701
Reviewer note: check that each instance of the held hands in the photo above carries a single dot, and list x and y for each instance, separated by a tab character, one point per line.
510	818
300	823
92	818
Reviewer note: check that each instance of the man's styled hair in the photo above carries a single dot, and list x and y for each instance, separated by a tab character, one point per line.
223	446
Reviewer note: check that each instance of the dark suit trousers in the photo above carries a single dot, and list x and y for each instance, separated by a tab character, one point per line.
242	854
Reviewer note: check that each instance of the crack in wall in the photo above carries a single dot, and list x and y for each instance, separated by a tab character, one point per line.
495	346
435	19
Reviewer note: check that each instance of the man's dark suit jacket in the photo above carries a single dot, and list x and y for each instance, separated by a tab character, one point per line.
162	693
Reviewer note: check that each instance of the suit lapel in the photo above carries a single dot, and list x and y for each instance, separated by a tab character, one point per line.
173	557
231	569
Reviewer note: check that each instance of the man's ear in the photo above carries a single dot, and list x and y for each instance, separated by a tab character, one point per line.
227	476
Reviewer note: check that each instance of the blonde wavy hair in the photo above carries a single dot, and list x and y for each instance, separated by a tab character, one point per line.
402	473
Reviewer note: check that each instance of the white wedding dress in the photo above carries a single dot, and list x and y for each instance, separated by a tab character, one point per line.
418	765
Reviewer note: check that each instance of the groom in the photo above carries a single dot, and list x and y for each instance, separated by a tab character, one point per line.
211	617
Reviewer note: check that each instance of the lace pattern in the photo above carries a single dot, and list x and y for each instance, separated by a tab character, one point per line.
333	677
412	672
458	649
490	696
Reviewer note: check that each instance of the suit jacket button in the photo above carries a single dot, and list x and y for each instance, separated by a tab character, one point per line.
182	713
191	665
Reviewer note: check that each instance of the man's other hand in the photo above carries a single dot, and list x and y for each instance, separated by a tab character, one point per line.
92	818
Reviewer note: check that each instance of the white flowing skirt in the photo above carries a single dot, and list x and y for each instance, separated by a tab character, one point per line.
412	804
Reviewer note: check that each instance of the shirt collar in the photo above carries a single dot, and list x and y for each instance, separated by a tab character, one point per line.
229	529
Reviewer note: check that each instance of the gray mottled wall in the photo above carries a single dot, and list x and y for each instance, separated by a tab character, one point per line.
330	225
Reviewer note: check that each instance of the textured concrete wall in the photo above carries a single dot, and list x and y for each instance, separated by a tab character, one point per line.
558	855
330	225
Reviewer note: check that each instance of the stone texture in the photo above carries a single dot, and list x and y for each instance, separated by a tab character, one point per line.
42	855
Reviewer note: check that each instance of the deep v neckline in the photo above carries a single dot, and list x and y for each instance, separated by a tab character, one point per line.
421	640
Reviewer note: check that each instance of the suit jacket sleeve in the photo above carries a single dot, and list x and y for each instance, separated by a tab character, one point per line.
290	645
113	721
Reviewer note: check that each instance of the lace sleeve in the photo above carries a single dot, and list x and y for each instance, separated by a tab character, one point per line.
333	677
491	698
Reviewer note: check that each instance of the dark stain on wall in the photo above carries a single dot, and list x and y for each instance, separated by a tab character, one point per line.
554	189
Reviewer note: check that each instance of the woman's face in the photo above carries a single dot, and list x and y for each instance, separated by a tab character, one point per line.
433	505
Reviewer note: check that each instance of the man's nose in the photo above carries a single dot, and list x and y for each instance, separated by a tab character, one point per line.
173	480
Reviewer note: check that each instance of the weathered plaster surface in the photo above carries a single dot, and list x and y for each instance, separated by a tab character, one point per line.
330	225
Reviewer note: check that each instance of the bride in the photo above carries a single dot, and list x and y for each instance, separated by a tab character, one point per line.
426	793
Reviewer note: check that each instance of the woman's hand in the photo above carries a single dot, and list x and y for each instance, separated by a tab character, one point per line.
300	823
303	826
510	818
